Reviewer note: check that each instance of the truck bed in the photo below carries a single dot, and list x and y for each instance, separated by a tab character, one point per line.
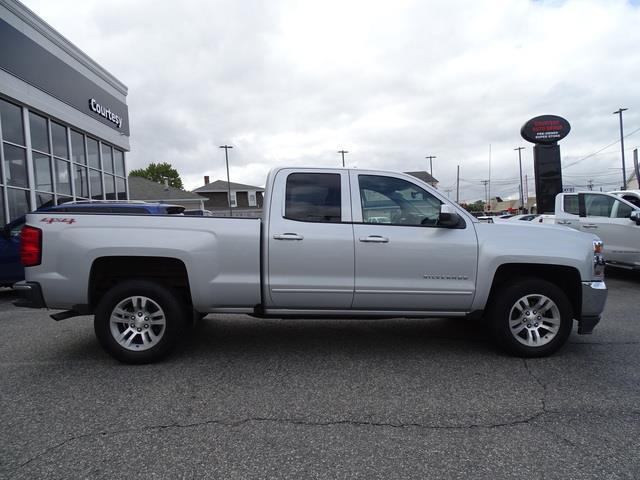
222	255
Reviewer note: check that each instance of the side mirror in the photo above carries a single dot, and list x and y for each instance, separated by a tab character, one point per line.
635	216
448	218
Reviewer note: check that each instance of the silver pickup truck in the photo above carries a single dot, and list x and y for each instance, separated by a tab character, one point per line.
331	243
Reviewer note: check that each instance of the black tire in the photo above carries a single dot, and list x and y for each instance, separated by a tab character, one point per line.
170	308
504	318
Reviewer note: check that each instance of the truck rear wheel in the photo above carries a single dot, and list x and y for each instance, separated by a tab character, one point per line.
138	321
531	318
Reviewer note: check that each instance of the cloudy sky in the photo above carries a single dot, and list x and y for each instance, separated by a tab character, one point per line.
291	82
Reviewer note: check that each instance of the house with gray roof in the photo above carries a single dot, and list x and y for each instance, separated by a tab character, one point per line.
242	196
425	177
142	189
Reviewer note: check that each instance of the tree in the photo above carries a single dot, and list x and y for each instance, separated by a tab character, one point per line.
157	172
477	206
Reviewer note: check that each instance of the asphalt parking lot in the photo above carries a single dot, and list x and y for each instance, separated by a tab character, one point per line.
248	398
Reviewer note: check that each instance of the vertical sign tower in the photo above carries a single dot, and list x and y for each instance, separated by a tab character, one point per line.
545	131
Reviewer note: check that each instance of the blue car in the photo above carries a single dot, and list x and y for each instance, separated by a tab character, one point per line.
11	270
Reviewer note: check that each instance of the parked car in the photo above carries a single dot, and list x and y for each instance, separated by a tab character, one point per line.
615	220
525	217
331	243
198	213
11	270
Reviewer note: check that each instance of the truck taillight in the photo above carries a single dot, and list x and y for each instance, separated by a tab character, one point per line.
598	259
30	246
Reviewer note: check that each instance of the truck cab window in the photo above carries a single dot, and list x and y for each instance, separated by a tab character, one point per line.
395	201
313	197
598	205
623	210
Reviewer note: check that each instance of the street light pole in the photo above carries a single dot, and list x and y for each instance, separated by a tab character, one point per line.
226	157
343	152
430	157
624	173
519	149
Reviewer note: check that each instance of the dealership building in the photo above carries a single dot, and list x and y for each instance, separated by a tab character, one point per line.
64	123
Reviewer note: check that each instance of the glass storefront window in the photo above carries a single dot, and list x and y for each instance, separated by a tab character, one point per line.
42	172
59	140
118	161
18	202
107	159
109	187
82	182
43	199
15	166
77	148
62	200
96	184
11	122
39	132
93	153
3	220
121	188
63	177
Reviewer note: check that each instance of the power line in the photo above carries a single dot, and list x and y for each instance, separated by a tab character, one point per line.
600	150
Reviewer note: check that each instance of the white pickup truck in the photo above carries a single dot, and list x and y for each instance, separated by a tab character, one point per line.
331	243
614	220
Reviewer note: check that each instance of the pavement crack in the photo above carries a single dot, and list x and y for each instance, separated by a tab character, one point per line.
280	420
543	399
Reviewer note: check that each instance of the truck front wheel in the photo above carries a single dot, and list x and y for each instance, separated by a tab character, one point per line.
139	321
531	318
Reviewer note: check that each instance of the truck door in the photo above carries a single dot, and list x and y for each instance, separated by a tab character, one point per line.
567	214
310	240
404	260
608	218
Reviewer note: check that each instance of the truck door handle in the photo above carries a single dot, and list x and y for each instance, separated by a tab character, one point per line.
589	225
288	236
374	239
563	222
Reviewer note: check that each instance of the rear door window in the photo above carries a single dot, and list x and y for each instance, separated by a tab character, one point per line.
571	204
313	197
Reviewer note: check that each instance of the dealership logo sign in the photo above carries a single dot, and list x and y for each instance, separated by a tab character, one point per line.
105	112
545	129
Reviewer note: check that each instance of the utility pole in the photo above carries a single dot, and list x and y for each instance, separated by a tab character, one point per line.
458	186
489	189
624	173
343	152
486	197
226	157
431	157
590	184
519	149
635	166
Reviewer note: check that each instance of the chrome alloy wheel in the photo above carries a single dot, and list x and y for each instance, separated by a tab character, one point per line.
137	323
534	320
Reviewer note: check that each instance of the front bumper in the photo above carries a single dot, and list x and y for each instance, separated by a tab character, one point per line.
31	295
594	296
